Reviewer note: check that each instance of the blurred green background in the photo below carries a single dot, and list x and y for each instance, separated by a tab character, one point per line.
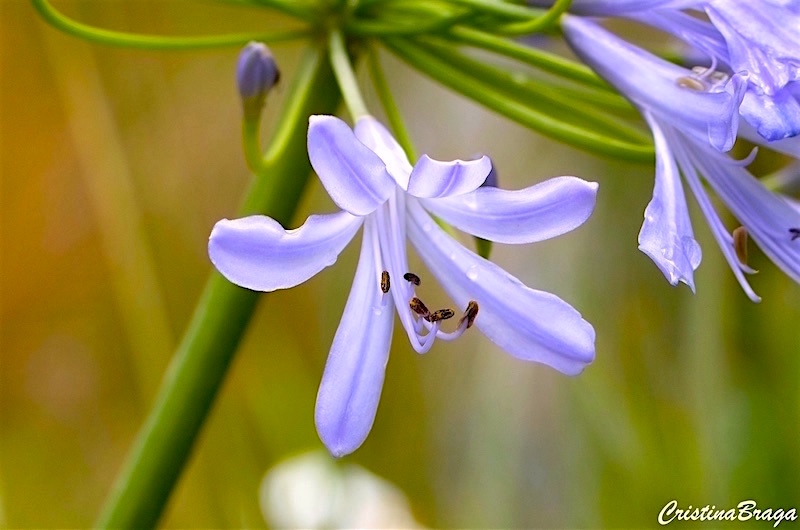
117	163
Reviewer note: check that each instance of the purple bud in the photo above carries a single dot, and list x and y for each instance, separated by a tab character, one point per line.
256	74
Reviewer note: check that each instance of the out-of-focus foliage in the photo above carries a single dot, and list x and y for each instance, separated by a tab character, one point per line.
116	163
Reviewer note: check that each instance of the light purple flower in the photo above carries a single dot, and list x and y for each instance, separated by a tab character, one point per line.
369	177
759	41
692	118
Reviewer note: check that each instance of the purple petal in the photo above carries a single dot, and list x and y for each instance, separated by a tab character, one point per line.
617	8
774	117
666	235
536	213
762	39
375	136
718	230
530	325
787	146
351	385
655	85
431	178
767	217
353	175
257	253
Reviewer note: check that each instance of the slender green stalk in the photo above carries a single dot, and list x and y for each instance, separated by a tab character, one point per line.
544	97
500	8
346	77
389	104
251	142
198	368
157	42
540	23
484	93
541	59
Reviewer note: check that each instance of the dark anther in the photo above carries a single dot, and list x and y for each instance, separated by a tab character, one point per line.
470	314
419	308
795	233
440	314
740	244
385	282
411	277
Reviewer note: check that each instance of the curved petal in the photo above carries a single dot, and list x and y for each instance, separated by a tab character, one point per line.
774	117
768	218
721	235
351	384
257	253
432	178
655	85
666	235
530	325
374	135
353	175
762	39
536	213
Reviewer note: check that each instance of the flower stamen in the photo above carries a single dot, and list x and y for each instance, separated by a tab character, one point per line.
412	278
795	233
740	244
440	314
470	314
385	282
419	308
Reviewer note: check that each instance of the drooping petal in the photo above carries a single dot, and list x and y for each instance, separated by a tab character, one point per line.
666	235
768	218
256	252
431	178
774	117
351	384
374	135
536	213
353	175
718	230
787	146
658	86
762	39
530	325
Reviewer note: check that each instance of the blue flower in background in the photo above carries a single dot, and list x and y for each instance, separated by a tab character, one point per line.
693	117
758	40
369	177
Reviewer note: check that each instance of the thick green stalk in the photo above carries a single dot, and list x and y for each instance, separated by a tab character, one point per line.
198	368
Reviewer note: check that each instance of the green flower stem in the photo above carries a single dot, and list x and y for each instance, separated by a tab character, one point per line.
251	142
346	77
502	9
486	94
156	42
388	103
545	97
541	59
544	22
202	359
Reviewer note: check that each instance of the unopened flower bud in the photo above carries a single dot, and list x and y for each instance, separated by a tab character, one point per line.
256	74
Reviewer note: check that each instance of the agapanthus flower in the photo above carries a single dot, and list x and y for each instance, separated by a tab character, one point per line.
760	41
693	119
368	176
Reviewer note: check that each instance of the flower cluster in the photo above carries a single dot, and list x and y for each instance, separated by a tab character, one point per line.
369	177
753	73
